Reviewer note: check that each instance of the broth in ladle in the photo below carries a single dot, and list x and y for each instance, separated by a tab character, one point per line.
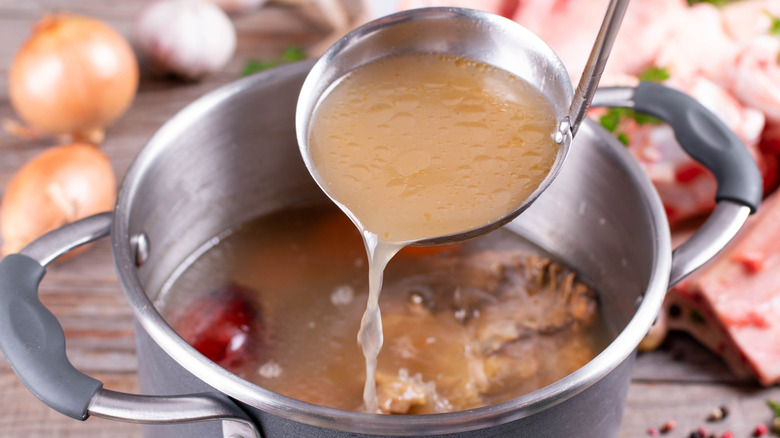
421	146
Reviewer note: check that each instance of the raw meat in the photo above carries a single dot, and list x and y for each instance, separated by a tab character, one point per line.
700	50
570	28
756	80
744	20
732	305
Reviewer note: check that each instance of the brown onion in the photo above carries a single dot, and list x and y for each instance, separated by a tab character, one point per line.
75	75
58	186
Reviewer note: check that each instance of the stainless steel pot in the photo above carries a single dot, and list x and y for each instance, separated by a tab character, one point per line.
232	156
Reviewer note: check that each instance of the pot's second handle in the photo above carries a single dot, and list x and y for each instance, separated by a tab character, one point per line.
709	141
33	342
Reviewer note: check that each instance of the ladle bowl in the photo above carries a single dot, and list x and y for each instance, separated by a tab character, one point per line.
474	35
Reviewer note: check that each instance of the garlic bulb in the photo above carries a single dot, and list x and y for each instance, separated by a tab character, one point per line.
188	38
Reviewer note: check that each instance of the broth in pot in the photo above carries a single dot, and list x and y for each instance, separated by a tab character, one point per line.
278	301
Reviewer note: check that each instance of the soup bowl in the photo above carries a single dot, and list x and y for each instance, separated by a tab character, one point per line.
232	156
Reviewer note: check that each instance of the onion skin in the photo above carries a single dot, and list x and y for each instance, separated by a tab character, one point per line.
58	186
73	76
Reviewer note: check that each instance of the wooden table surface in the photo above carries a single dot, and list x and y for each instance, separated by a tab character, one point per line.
681	381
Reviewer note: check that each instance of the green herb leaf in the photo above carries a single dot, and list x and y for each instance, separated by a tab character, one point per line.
644	119
612	118
611	122
774	28
775	407
290	54
253	66
655	74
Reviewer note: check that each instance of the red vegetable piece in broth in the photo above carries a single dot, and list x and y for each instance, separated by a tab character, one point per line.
226	326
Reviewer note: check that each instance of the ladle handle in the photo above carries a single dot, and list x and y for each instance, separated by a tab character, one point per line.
709	141
33	342
591	75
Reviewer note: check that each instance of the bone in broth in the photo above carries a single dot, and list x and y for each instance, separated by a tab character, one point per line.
278	301
422	146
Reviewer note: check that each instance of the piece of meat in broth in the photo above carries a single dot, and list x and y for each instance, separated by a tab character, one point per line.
538	296
529	339
495	320
402	393
732	305
425	365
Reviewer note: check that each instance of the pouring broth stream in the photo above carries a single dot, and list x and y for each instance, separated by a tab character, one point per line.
421	146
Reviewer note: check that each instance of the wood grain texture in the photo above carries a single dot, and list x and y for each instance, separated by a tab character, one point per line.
681	381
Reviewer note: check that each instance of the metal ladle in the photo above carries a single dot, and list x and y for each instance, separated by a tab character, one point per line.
474	35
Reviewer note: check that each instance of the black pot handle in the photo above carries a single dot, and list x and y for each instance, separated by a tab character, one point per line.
709	141
701	134
33	342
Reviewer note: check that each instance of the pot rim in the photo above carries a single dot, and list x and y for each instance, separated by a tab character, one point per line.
263	399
